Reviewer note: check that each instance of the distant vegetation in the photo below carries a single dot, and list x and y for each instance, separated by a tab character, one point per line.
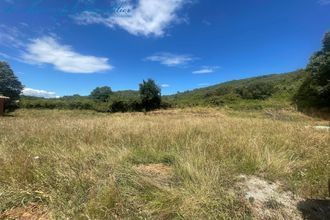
270	91
103	99
276	91
273	91
116	102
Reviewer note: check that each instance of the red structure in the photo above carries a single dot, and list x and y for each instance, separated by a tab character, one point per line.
2	104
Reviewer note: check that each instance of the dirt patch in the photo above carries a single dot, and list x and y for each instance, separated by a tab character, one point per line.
267	201
159	173
29	212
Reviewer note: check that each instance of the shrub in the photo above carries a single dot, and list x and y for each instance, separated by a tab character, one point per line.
260	90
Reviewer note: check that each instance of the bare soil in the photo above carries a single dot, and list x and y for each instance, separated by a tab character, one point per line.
267	200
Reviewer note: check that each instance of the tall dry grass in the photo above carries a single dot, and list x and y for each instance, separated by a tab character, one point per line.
81	164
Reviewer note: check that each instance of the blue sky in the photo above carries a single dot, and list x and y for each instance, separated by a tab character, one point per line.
65	47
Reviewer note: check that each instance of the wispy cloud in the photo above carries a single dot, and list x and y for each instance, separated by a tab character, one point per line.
39	93
206	69
165	85
146	17
324	2
203	84
206	22
170	59
9	1
10	36
86	1
10	57
47	50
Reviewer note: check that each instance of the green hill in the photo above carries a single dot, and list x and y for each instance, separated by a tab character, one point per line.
274	91
269	91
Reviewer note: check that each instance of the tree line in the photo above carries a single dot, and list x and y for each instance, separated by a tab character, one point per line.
101	99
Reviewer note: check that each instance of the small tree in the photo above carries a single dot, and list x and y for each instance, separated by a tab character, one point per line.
101	93
150	95
10	86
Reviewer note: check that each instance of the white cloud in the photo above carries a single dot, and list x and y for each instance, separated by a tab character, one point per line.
205	70
39	93
203	84
46	50
146	18
165	85
170	59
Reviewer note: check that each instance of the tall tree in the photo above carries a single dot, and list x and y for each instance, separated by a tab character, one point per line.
9	84
315	91
150	95
101	93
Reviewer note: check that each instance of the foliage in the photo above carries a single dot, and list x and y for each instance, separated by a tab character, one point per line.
10	86
101	93
125	101
150	95
274	91
74	102
315	91
102	99
122	101
259	90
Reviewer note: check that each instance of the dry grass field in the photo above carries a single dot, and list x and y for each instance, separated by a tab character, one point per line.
175	164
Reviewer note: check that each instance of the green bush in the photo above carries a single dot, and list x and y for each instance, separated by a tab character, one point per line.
259	90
